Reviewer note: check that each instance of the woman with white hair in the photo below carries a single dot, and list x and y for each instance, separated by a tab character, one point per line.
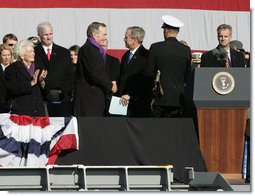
24	83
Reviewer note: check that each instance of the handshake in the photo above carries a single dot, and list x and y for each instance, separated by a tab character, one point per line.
114	87
53	95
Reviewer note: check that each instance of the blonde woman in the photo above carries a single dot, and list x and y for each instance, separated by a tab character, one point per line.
6	58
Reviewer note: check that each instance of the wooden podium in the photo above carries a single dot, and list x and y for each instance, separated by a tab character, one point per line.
222	117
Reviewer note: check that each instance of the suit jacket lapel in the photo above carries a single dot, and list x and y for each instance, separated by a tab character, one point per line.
233	58
53	52
136	54
23	70
43	56
2	75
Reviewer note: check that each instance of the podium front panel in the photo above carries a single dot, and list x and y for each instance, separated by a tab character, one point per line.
205	95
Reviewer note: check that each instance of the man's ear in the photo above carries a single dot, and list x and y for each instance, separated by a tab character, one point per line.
94	35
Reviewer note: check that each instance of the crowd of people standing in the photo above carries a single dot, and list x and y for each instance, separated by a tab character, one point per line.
41	78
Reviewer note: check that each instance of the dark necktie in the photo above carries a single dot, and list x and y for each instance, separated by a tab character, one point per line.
130	56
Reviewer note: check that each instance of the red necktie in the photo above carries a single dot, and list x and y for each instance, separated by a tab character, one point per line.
227	61
48	53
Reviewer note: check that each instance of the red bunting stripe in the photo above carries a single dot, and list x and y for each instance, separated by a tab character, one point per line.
25	120
227	5
65	142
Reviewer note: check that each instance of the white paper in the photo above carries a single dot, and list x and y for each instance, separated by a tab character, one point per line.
116	107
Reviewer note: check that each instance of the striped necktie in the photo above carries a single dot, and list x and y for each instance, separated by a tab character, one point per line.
227	61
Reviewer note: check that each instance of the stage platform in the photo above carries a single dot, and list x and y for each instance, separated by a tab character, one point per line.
108	178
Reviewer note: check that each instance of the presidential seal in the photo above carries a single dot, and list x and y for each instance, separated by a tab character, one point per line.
223	83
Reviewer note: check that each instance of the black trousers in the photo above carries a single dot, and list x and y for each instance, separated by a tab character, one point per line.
61	109
167	111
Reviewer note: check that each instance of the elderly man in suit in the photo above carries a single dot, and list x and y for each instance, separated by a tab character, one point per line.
112	69
59	82
223	55
173	60
92	84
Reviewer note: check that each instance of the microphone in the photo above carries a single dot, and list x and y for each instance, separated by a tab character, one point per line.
223	52
220	55
215	52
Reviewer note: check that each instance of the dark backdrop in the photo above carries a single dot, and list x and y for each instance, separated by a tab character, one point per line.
137	141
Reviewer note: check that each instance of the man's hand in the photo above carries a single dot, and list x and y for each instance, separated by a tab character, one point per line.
43	75
114	87
124	100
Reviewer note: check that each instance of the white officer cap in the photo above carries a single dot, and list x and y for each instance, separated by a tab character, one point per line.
171	22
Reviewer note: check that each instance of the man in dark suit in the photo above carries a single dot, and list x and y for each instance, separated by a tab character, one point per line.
135	89
92	84
112	69
223	55
59	82
173	60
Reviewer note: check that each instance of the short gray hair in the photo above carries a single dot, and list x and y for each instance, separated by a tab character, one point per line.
42	26
224	27
137	33
94	28
19	48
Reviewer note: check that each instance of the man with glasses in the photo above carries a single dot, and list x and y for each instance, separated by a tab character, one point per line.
10	40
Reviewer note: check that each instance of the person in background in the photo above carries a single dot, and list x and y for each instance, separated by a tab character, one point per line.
60	79
247	57
173	60
196	59
24	80
10	40
113	73
6	56
6	59
238	46
223	55
74	50
34	39
134	88
92	84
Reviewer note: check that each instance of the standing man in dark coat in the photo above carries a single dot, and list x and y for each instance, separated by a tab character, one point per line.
173	59
59	82
218	56
112	69
92	84
134	88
